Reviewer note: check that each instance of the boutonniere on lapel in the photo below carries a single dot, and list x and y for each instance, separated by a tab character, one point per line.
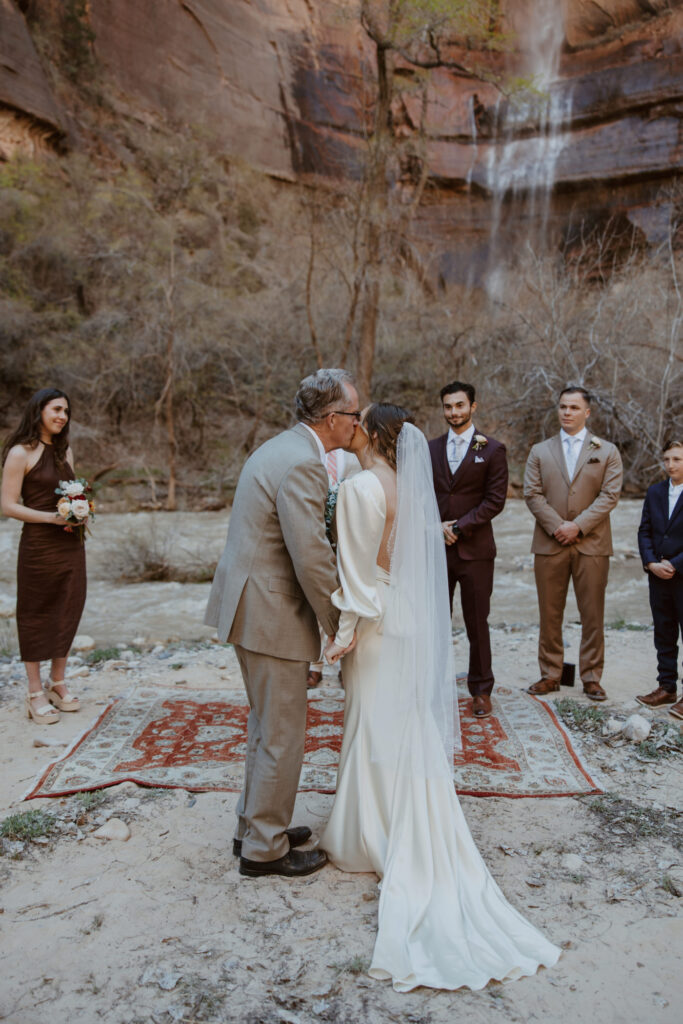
593	446
478	442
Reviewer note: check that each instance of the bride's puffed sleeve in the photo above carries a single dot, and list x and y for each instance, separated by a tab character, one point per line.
360	518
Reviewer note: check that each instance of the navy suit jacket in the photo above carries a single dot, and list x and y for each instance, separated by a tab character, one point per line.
658	536
473	495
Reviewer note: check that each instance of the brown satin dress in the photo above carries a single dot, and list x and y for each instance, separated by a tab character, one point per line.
51	580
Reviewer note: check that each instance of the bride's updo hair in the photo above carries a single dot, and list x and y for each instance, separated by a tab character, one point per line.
385	421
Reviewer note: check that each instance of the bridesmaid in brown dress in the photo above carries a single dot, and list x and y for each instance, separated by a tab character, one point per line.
51	579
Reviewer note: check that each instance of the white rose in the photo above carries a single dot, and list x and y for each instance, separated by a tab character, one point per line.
64	508
72	488
81	509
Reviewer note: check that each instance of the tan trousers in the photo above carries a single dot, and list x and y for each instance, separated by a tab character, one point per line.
589	576
275	748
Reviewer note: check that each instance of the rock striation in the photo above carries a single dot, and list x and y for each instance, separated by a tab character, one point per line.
30	116
281	85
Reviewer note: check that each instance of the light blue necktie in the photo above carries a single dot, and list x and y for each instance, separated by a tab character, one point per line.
573	449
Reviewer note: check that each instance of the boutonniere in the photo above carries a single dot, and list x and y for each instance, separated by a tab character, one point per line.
479	442
595	443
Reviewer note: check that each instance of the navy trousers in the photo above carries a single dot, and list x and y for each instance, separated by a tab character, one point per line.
666	602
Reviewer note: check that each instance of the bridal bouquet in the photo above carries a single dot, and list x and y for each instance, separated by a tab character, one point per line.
74	505
330	505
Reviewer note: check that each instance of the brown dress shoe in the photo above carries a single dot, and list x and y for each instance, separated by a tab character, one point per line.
313	679
677	709
481	705
657	698
292	865
594	691
543	686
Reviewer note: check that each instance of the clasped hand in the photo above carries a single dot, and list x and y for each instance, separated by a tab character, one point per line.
448	534
663	569
567	533
333	652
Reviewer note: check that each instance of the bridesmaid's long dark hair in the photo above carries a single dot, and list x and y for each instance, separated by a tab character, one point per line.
28	431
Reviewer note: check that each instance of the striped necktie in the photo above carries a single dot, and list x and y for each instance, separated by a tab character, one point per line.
331	463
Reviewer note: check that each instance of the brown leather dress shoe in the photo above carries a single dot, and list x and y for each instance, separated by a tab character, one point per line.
292	865
677	709
657	698
297	835
481	705
313	679
594	691
543	686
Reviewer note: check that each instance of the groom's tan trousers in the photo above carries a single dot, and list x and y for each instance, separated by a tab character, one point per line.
589	576
275	748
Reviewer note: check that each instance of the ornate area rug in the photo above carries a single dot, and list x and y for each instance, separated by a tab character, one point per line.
197	741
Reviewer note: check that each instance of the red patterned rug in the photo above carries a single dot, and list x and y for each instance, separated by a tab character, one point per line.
197	741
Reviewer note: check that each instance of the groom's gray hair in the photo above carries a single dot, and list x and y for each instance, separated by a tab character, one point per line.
320	393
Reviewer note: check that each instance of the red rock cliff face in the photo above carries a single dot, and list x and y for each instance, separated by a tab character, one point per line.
30	117
279	81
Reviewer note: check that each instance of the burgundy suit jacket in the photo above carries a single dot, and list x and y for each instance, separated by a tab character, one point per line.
474	495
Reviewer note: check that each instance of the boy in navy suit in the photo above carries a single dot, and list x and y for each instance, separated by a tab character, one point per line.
660	539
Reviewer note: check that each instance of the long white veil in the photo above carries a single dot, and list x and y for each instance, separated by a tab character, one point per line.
416	725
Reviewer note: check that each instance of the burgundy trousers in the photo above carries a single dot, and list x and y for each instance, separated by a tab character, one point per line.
475	577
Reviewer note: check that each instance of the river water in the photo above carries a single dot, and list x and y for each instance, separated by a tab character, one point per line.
117	611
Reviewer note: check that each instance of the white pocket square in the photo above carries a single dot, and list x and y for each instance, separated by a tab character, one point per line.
478	458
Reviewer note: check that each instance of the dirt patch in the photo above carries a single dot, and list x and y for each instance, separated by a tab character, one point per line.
162	928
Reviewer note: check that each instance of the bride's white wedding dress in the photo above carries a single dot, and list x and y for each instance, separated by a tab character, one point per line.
443	921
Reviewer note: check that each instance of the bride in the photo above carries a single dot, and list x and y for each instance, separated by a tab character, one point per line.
443	921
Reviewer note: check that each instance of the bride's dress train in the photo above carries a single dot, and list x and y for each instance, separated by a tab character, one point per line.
443	922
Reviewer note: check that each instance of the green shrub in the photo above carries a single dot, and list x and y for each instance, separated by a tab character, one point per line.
27	825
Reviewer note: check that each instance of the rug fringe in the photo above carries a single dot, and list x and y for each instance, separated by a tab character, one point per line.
38	780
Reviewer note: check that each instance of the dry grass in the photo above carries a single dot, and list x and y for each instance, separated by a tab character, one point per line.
622	820
150	555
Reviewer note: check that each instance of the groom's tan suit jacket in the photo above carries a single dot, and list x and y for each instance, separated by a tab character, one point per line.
277	571
586	500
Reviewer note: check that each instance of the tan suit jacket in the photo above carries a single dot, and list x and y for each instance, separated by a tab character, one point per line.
277	571
587	500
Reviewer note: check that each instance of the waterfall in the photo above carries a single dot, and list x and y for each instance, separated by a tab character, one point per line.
473	133
529	132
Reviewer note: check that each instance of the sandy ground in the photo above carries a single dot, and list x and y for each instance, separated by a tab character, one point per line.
162	928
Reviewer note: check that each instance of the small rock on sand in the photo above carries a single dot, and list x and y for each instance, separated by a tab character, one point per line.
83	642
612	727
637	728
113	829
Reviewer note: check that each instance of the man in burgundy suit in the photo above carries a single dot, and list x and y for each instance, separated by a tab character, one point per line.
470	481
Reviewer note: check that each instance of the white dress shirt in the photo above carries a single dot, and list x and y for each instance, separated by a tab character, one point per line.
571	447
321	447
457	446
674	495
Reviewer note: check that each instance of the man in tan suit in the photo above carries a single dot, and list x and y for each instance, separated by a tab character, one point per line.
273	583
571	484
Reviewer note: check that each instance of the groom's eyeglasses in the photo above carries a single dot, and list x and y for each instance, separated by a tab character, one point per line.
338	412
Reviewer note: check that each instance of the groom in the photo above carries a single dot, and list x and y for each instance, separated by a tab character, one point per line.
470	481
273	583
